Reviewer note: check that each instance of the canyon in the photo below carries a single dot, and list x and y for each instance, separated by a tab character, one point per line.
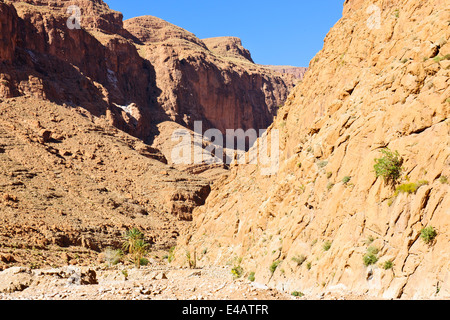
88	103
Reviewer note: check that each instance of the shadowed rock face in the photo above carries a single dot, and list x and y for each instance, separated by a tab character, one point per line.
165	71
211	80
91	67
8	32
371	86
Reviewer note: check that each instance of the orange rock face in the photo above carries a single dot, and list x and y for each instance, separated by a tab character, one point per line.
212	80
165	71
325	222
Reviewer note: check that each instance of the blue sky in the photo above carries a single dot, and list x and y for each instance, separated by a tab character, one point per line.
283	32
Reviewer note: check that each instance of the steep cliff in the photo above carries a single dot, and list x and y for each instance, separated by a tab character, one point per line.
174	76
90	67
212	80
325	222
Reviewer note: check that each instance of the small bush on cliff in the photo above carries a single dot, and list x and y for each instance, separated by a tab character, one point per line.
388	265
274	266
440	58
370	257
397	13
410	187
326	246
299	259
191	262
428	234
322	164
389	166
171	255
443	180
298	294
346	179
237	272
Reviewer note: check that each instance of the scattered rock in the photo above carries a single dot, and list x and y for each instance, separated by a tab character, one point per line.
44	136
7	258
15	279
79	276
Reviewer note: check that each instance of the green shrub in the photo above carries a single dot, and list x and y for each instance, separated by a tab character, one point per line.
274	266
322	164
428	234
397	13
330	186
406	188
112	257
237	272
191	262
439	58
326	246
370	257
389	166
390	201
171	255
369	240
299	259
346	179
144	262
410	187
443	179
298	294
135	244
251	277
388	265
308	265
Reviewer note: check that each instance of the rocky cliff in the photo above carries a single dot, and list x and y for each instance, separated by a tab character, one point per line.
163	71
325	222
211	80
90	67
297	72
